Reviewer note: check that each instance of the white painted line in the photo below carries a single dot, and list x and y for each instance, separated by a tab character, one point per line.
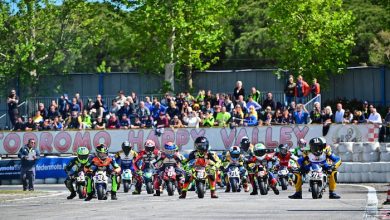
372	202
36	197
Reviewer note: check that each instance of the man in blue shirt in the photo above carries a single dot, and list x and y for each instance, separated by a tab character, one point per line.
28	155
300	116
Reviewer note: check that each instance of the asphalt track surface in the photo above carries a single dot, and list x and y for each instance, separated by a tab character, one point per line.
353	205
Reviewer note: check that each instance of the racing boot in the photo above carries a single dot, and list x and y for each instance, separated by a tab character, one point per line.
157	193
113	196
136	192
183	195
246	187
89	197
72	195
213	194
333	195
296	195
254	192
227	188
276	191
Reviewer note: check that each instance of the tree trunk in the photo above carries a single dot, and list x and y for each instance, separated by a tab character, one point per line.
189	78
170	74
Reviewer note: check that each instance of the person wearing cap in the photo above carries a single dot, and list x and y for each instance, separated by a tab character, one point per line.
29	155
365	110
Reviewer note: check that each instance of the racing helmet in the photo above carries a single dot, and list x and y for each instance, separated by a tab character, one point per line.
317	145
126	147
245	143
170	149
235	152
149	145
101	151
260	150
302	144
82	155
201	144
283	149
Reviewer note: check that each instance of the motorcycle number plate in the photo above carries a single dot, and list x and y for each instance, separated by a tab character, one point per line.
170	173
200	174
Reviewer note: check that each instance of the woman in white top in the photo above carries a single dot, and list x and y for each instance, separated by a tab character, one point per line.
192	119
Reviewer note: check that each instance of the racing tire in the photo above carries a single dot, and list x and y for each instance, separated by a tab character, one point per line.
200	189
263	187
283	183
315	190
126	186
101	192
234	184
169	186
149	188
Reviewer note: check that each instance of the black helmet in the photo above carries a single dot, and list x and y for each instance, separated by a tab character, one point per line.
317	145
283	149
201	144
101	151
245	143
126	147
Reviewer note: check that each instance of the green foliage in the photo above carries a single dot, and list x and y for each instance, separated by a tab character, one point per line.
313	36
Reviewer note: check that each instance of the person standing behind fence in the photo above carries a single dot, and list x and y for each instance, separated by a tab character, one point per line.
238	90
12	102
289	90
302	89
315	89
28	155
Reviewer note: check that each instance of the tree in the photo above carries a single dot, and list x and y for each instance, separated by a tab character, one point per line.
179	35
313	36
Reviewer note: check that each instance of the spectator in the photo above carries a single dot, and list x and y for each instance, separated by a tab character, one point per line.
242	103
327	117
30	125
54	103
42	110
90	105
185	108
365	110
74	106
385	130
19	124
125	122
238	90
52	113
375	117
255	95
238	116
180	101
121	98
176	123
99	124
162	121
46	126
200	97
277	118
144	114
302	89
98	106
358	117
208	120
286	118
347	116
292	107
264	116
300	116
62	103
29	155
131	103
268	119
172	110
223	117
74	122
166	100
251	119
192	120
137	123
269	102
38	117
220	99
13	101
86	120
148	103
156	110
210	98
56	124
315	89
289	90
217	109
113	122
208	108
315	114
252	102
228	104
339	115
79	101
188	97
114	108
126	110
135	98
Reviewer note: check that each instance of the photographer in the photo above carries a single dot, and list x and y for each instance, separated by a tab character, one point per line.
12	102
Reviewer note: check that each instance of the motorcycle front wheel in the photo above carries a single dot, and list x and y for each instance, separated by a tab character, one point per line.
149	187
126	186
234	184
200	189
169	185
81	191
100	192
283	183
315	190
263	187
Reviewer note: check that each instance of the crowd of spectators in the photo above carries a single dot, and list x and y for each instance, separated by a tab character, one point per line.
185	110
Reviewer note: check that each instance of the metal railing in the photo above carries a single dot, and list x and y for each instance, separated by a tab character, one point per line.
5	121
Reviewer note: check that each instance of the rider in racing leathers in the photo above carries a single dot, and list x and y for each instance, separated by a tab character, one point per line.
125	158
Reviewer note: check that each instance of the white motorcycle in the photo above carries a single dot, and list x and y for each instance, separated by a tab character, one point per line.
318	181
81	185
101	182
234	178
127	177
